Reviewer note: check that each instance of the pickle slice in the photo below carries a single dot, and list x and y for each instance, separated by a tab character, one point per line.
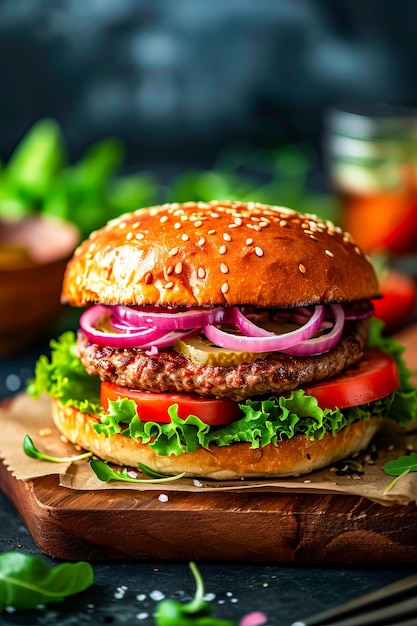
202	351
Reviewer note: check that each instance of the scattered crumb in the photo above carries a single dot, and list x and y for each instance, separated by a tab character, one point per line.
45	432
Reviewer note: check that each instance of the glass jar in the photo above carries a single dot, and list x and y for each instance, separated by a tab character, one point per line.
372	161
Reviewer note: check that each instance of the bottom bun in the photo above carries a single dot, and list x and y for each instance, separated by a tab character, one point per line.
290	457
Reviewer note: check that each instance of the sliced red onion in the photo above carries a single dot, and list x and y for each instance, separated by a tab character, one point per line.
247	327
359	311
269	343
168	320
91	318
324	342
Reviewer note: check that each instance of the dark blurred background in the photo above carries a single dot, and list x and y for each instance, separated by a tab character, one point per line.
180	80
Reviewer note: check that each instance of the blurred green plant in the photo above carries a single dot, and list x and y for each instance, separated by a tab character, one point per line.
38	178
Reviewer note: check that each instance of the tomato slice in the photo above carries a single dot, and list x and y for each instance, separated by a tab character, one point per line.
375	377
153	407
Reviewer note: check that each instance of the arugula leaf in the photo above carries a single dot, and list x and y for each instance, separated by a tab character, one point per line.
407	462
400	467
105	473
197	611
32	451
26	581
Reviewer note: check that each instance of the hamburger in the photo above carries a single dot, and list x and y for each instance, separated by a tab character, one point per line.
223	340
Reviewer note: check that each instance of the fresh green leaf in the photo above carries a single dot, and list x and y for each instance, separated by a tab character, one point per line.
105	473
37	159
407	462
198	611
27	581
64	377
32	451
400	467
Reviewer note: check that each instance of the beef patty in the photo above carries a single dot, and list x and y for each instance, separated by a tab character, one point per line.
170	371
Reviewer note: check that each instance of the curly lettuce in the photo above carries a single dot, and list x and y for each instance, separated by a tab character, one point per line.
263	421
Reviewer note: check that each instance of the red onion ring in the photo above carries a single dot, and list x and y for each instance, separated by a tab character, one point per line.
325	342
167	320
94	314
269	343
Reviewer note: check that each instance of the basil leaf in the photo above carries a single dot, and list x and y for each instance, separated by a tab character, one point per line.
26	581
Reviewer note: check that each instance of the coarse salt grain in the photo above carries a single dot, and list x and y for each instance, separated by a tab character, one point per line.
163	497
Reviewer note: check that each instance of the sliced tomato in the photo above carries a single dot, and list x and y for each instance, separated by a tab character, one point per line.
153	407
375	377
399	296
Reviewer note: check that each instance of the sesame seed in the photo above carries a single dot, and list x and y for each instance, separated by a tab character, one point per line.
201	272
283	223
177	225
223	268
184	237
225	287
122	225
129	236
178	268
215	215
227	237
358	250
211	232
263	224
184	218
302	268
163	219
173	252
313	237
259	251
222	249
201	241
139	236
238	221
198	223
249	241
329	253
170	270
169	285
136	225
148	278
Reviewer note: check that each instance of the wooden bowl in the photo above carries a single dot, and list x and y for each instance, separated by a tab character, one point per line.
33	255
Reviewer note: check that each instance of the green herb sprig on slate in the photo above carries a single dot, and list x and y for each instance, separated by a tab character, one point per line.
197	612
27	581
32	451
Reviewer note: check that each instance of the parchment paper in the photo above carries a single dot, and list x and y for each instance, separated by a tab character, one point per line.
24	415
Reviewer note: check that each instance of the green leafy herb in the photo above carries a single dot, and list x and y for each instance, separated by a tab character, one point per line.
105	473
31	450
198	611
27	581
400	467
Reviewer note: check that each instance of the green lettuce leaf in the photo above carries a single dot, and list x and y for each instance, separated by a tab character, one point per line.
264	421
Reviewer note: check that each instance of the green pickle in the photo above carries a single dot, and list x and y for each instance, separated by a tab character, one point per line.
202	351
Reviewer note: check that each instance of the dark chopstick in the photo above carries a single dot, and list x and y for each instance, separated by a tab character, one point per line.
388	605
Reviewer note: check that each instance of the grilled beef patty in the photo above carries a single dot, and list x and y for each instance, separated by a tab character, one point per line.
170	371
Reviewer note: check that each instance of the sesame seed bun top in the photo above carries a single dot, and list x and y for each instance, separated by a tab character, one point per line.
218	254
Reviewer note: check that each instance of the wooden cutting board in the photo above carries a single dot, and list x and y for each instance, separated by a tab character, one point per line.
291	527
